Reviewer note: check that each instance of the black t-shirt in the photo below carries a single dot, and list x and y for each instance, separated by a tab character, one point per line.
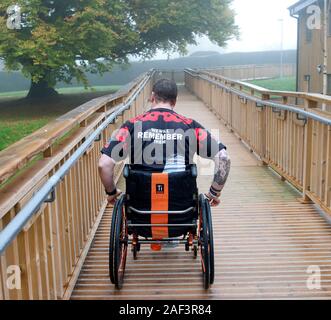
161	139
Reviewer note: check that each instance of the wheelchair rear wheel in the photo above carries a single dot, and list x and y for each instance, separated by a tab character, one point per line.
211	242
111	241
206	242
118	244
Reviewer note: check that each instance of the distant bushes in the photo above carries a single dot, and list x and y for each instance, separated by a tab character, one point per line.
14	81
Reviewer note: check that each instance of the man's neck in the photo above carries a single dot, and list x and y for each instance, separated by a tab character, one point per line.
162	106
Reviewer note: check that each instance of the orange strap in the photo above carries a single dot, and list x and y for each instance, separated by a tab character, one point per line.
160	202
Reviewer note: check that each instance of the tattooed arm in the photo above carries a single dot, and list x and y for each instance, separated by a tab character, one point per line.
222	170
209	147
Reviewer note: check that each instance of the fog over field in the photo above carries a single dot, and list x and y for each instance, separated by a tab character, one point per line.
14	81
260	28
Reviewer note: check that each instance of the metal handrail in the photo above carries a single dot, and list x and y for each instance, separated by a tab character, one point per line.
241	94
191	72
15	226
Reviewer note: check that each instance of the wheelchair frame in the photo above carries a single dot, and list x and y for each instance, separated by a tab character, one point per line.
201	238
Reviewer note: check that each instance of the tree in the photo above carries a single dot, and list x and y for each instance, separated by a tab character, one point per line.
59	40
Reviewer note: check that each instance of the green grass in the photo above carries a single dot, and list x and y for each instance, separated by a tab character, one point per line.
20	117
70	90
278	84
12	131
74	90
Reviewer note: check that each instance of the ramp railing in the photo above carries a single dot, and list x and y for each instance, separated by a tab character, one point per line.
51	199
293	139
253	71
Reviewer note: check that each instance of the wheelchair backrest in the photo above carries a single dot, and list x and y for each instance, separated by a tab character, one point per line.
160	191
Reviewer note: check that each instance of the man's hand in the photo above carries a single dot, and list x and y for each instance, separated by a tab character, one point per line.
112	199
214	200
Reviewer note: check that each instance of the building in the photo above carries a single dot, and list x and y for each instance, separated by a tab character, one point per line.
310	16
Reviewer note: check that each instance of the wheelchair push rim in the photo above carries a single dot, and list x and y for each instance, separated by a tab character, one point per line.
119	244
211	242
206	243
111	241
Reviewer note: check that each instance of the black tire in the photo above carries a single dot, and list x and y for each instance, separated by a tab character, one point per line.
135	252
195	251
187	247
211	243
204	243
111	242
118	245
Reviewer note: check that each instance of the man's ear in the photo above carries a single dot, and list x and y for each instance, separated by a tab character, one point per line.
173	103
152	99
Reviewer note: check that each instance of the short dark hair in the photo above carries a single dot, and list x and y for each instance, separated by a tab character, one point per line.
165	90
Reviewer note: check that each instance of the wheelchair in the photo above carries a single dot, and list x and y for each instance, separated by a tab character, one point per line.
161	208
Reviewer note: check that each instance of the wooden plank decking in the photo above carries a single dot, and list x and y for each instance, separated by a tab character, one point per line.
265	241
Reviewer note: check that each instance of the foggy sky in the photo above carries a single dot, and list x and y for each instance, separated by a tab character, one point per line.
259	28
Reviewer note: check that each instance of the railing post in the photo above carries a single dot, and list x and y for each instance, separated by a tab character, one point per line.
328	171
308	139
263	132
307	160
48	153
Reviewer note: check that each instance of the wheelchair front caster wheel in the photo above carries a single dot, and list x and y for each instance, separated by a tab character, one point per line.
135	250
187	247
135	253
195	252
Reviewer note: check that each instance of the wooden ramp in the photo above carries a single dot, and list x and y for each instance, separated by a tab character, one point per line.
265	241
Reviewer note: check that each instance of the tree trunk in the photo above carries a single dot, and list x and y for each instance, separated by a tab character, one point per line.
41	89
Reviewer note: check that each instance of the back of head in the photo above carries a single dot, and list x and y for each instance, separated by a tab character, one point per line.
165	91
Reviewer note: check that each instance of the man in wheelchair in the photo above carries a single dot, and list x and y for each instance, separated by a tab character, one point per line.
161	202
